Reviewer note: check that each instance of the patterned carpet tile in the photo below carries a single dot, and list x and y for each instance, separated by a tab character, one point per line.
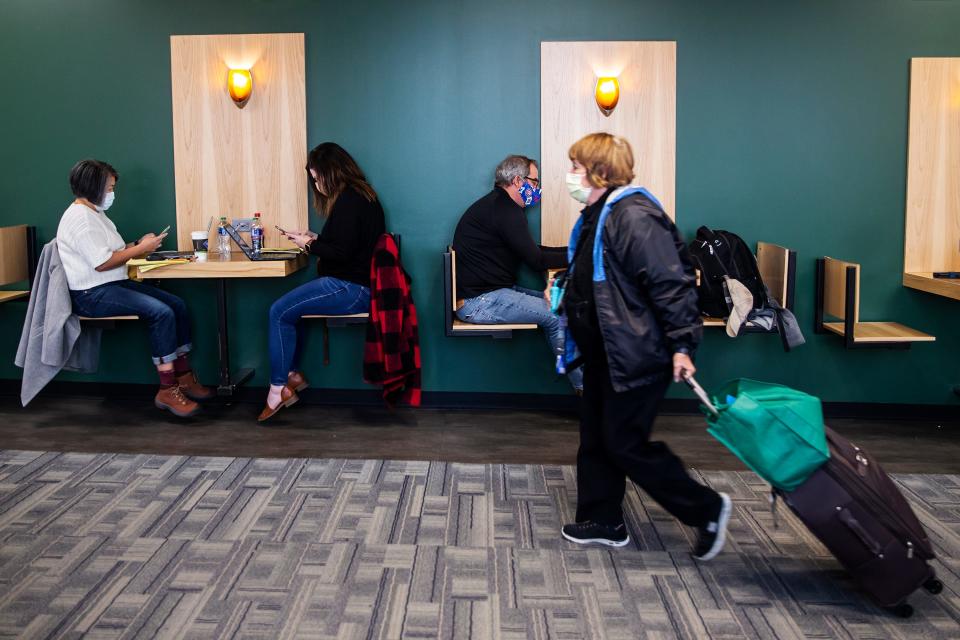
131	546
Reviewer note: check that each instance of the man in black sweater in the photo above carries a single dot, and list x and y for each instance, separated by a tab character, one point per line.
491	241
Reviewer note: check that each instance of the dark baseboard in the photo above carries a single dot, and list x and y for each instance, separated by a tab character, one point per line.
465	400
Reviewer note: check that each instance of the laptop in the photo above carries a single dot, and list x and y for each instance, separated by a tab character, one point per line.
169	255
248	250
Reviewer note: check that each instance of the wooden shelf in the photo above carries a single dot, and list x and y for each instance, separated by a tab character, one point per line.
7	296
709	321
238	266
880	332
108	318
949	288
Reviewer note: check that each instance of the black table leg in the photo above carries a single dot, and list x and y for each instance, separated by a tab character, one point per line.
228	384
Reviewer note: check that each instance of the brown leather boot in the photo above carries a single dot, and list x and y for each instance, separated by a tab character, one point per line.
192	388
287	397
173	400
297	381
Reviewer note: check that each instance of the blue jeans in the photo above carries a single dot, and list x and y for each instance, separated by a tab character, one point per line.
519	305
166	314
323	296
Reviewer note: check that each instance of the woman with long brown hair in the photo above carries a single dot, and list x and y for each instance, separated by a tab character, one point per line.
344	248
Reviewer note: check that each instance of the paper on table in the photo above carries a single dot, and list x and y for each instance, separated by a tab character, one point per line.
149	265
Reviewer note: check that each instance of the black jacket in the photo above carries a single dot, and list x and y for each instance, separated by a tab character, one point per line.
646	304
344	247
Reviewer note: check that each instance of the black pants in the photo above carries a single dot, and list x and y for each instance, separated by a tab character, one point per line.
615	445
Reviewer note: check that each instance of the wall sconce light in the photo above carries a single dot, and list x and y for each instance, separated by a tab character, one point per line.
240	86
608	94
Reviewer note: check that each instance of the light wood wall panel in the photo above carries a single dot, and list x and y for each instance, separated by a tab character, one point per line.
646	116
774	264
13	254
932	238
230	161
835	288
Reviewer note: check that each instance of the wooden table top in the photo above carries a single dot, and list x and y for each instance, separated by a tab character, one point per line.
238	266
947	287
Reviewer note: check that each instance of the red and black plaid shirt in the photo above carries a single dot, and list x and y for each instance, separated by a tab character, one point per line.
391	356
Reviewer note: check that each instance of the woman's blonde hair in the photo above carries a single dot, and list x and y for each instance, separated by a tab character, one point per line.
608	159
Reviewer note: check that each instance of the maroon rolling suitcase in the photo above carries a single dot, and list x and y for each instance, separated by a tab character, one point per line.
859	514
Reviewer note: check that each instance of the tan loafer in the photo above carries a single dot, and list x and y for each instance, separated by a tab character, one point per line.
192	388
297	381
172	399
288	397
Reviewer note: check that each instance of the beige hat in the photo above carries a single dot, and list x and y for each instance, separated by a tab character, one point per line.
742	305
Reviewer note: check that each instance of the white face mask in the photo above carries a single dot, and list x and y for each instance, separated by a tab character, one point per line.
575	186
107	201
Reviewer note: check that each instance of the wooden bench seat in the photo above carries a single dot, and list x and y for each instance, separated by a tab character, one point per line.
879	332
358	318
778	270
18	263
460	325
454	327
838	296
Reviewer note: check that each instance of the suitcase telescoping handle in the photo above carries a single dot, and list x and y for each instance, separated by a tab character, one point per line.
701	394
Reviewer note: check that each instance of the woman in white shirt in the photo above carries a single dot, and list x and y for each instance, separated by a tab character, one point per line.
94	258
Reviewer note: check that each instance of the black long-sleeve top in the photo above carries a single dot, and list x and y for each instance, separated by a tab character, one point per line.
344	247
491	241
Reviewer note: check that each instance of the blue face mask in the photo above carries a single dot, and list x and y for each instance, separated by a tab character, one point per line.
529	194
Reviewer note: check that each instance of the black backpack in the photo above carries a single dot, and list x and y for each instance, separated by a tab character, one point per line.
722	253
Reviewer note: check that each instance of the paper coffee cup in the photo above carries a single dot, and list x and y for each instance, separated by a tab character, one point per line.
199	239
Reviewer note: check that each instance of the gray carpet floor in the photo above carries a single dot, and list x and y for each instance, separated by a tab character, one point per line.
142	546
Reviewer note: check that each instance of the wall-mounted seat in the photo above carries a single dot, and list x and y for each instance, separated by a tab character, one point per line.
838	296
19	255
327	321
454	327
778	269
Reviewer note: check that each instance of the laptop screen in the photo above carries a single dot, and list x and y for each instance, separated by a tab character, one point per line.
248	250
238	239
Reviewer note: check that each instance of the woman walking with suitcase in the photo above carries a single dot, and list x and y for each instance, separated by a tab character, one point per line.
631	308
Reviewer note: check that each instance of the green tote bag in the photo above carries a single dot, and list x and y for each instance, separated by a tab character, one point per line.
777	431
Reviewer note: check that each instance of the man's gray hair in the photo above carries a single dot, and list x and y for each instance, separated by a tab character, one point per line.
512	167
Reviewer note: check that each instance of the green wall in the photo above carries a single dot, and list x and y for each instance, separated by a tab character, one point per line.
792	127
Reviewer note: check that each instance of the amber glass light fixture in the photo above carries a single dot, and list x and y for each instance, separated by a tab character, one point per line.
240	86
608	94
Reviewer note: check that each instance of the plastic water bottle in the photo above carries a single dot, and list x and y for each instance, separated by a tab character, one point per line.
561	360
223	240
256	234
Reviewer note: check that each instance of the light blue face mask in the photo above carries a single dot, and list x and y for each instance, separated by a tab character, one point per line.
107	201
530	194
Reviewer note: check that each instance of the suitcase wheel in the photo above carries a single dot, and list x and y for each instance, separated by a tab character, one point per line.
933	585
902	610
